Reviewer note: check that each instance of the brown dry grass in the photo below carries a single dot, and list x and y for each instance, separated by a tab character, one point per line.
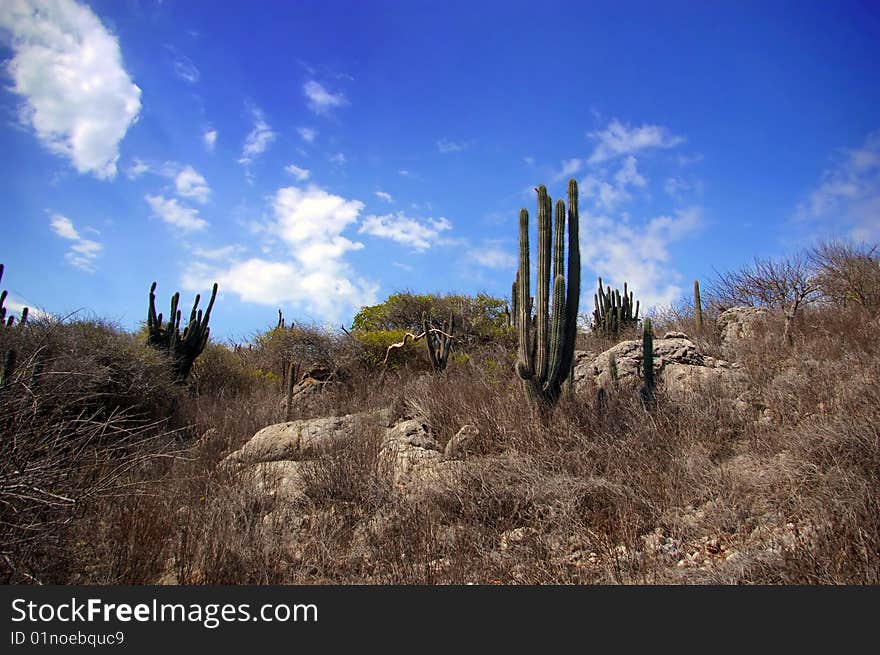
781	491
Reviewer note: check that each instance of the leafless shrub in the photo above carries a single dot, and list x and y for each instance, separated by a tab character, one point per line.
848	274
784	284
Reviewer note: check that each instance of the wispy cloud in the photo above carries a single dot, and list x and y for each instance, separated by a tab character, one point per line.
419	235
185	69
258	139
82	252
190	184
446	146
607	191
847	200
78	97
301	174
383	195
337	158
172	212
569	168
210	139
307	134
620	139
218	254
491	254
320	100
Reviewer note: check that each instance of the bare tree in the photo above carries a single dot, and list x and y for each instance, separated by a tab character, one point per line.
784	284
848	274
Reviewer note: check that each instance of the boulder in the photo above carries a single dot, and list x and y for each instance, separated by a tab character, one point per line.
736	325
409	455
297	440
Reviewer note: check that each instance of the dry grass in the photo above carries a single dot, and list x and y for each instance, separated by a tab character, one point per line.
777	486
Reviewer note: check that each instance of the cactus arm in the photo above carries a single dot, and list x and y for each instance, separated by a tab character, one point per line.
542	310
524	364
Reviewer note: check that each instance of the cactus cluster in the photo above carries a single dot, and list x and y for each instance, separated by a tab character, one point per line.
183	348
6	323
439	343
614	311
546	342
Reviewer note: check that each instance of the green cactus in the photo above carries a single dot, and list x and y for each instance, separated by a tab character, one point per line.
183	348
439	345
614	312
648	361
546	342
698	306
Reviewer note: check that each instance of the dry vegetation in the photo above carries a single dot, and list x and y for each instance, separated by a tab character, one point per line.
108	470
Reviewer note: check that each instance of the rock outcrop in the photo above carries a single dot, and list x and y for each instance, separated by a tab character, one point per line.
679	366
736	325
409	456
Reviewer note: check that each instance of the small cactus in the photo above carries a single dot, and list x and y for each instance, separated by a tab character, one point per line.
648	361
698	307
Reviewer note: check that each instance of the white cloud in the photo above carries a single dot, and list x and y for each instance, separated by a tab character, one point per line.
210	139
404	173
620	251
629	175
315	275
191	184
383	195
259	138
301	174
620	139
605	194
492	255
321	101
847	199
569	168
138	167
224	252
63	227
15	307
337	158
82	252
307	134
173	213
446	146
79	99
419	235
529	161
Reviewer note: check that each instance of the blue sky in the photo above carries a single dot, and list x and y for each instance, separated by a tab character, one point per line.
318	156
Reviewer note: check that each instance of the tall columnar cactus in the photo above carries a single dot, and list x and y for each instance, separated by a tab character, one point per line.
183	348
439	345
698	306
546	343
614	312
648	360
